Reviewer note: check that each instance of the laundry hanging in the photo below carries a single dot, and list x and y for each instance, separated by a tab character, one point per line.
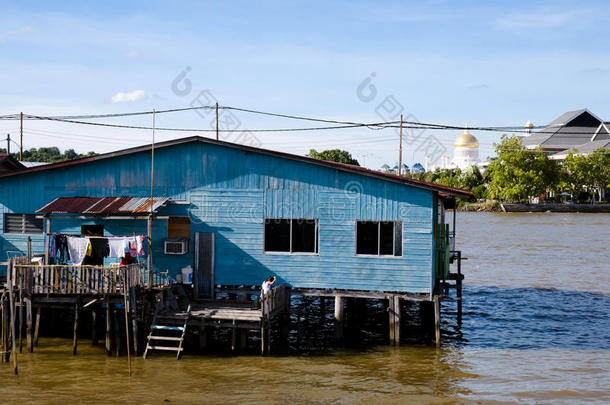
78	247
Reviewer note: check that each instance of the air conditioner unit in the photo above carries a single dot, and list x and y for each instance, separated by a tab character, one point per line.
175	246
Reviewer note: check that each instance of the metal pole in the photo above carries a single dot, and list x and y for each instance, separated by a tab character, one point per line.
400	149
216	120
21	141
8	144
152	185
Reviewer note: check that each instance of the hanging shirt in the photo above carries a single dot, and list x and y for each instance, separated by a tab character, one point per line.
77	247
118	246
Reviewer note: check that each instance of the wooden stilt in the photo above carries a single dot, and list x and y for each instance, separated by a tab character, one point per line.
117	337
234	332
437	320
4	328
29	331
134	320
263	338
20	315
397	320
12	309
37	325
75	339
94	336
108	328
203	337
392	320
339	317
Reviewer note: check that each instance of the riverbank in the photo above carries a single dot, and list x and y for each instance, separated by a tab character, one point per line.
496	206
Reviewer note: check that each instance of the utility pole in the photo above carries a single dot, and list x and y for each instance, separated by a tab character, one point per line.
21	140
400	149
217	120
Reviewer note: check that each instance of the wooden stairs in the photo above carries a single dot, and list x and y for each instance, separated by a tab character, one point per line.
165	336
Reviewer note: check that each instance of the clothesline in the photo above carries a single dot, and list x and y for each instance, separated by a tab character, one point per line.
93	249
101	237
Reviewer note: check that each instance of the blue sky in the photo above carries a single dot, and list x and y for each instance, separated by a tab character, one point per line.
467	62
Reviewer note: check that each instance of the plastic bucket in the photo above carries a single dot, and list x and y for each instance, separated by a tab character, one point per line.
187	275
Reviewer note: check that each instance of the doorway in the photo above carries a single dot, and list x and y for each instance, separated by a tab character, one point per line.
203	275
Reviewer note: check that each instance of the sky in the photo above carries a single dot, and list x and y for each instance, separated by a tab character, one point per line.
493	63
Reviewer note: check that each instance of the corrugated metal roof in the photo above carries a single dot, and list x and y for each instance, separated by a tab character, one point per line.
103	205
348	168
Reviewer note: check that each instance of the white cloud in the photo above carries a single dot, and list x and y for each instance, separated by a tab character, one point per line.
135	95
132	54
11	33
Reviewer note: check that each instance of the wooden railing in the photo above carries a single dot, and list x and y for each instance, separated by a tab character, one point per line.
56	279
64	279
275	301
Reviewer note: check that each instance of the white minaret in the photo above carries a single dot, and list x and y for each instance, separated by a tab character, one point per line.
466	150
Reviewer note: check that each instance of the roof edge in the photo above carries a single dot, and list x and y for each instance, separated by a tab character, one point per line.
455	192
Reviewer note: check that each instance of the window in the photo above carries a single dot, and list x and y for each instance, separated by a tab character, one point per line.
291	235
92	230
22	223
179	227
379	238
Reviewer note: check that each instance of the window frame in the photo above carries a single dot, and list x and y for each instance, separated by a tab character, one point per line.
393	255
290	252
24	220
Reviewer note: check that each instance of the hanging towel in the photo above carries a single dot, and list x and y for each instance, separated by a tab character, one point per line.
140	245
118	246
78	247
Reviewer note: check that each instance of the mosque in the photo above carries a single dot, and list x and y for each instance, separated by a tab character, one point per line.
465	151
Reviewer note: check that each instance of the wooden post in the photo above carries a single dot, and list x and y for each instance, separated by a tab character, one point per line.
117	338
458	287
94	337
75	339
134	320
46	238
108	327
233	337
397	320
339	317
12	309
29	330
4	345
19	277
216	120
391	320
126	305
149	258
203	338
437	320
37	326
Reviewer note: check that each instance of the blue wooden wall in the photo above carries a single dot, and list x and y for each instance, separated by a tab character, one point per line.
230	192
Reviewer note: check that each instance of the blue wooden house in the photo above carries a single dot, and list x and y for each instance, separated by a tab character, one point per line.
238	214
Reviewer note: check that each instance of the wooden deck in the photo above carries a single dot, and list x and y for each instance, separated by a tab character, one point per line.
220	313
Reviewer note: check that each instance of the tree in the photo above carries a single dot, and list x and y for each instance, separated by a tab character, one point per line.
590	171
334	155
519	173
48	154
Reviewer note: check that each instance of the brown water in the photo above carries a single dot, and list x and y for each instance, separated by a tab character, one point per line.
536	330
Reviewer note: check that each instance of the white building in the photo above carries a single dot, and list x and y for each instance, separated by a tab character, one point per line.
466	151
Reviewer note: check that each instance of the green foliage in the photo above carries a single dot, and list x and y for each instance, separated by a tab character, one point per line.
519	173
587	172
48	154
334	155
470	179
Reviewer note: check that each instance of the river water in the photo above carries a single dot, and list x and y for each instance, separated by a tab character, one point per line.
536	330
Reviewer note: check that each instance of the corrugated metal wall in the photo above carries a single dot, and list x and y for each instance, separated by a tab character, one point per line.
231	192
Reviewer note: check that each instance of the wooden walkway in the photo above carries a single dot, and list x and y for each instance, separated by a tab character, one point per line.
220	313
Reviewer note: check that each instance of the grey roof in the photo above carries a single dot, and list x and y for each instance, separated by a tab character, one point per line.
585	149
560	137
566	118
603	131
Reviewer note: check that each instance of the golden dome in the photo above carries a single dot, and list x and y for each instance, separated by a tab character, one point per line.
466	140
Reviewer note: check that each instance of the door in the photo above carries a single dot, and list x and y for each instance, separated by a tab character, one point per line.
203	275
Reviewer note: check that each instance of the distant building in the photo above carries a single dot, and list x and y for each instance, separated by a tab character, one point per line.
578	129
466	151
